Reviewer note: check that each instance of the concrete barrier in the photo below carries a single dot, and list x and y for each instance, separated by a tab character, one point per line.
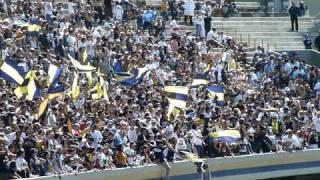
310	56
249	167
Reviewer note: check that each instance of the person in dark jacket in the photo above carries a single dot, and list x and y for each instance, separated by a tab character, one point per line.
317	42
108	8
207	23
294	13
307	41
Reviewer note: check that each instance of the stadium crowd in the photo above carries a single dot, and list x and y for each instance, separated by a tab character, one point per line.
106	90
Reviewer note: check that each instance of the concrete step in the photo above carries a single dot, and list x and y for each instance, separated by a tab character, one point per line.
254	27
243	19
276	34
266	23
245	30
265	29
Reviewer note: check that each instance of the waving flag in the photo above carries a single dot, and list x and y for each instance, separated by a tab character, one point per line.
56	90
199	80
53	73
227	136
192	157
33	89
75	91
42	108
79	66
33	29
10	71
96	92
216	92
135	76
104	88
177	97
29	87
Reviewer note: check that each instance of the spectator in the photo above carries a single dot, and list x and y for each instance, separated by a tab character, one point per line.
302	8
307	41
189	7
294	13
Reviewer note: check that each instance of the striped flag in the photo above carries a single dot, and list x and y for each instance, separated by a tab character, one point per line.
177	97
53	74
29	87
10	71
135	76
216	92
227	136
79	66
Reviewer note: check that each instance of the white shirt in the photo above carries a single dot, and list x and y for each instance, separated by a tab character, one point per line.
292	141
132	135
195	137
317	86
102	159
21	163
48	8
174	24
118	12
317	123
211	35
70	8
97	136
130	152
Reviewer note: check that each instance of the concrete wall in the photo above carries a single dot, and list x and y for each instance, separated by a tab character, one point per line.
311	57
262	166
314	7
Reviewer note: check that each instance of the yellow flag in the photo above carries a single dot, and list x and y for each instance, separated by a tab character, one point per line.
75	91
42	108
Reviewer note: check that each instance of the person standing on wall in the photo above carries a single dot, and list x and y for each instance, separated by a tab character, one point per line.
317	42
294	13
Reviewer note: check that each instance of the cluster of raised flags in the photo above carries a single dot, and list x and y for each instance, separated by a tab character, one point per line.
178	95
28	85
83	66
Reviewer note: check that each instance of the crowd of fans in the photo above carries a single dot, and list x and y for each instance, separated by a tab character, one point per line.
273	100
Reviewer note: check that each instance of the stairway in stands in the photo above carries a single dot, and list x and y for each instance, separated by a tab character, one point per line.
252	27
270	32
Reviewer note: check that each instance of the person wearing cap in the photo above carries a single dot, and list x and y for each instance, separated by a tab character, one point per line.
307	41
290	141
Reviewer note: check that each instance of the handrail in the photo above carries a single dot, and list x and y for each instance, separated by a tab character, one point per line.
218	43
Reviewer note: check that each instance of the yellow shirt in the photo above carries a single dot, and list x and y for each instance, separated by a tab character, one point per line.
121	158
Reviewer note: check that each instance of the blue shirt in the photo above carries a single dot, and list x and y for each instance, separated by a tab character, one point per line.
149	16
117	140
